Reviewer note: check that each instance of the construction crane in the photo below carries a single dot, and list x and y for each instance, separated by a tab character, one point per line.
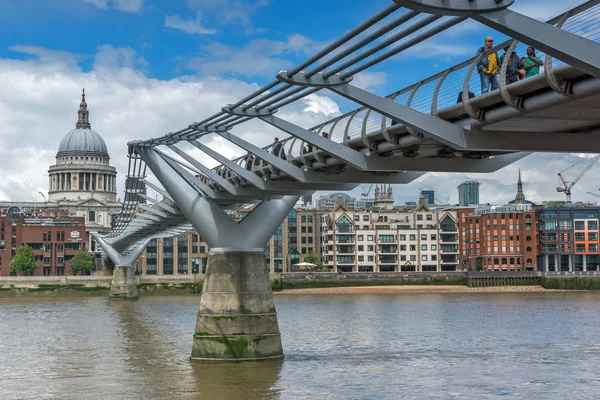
45	200
365	192
443	203
566	188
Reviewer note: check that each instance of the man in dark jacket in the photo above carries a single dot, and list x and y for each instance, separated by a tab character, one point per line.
514	68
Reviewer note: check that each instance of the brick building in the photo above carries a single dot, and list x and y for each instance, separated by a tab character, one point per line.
54	239
498	238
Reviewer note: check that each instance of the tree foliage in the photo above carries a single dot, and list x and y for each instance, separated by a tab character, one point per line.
24	261
312	258
81	261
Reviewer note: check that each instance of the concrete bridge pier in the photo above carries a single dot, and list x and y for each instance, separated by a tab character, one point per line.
237	320
124	284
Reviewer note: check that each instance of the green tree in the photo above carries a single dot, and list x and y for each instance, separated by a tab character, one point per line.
81	261
24	261
312	258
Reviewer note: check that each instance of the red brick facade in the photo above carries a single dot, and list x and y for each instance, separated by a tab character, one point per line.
498	239
54	240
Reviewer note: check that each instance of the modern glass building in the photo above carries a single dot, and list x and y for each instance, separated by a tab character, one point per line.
429	196
468	193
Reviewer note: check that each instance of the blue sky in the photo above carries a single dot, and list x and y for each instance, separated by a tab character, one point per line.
154	66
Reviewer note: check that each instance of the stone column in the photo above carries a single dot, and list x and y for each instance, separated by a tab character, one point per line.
124	285
236	318
584	256
570	256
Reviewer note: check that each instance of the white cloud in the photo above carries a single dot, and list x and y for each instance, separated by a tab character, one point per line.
259	57
230	11
121	5
193	27
129	5
39	101
47	56
369	80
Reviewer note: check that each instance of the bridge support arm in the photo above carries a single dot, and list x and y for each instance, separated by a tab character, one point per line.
124	284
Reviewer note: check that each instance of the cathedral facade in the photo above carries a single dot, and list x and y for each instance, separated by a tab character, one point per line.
82	182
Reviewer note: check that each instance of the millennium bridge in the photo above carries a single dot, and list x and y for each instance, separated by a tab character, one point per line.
443	123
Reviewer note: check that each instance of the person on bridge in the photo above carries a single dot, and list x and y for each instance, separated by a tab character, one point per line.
488	67
277	149
532	64
248	158
514	68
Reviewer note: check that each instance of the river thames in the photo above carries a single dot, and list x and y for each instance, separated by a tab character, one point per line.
407	346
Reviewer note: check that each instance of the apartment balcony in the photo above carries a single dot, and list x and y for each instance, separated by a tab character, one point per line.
449	250
449	260
388	249
388	260
344	240
346	251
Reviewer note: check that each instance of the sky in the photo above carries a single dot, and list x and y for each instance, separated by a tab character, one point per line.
154	66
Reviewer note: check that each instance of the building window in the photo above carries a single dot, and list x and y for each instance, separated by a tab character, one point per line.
357	217
423	237
365	217
593	247
433	237
580	248
92	216
361	248
419	217
309	218
579	225
402	237
429	217
412	237
423	258
434	257
528	248
361	238
370	238
370	258
433	247
413	258
593	225
424	247
580	236
592	235
528	238
303	218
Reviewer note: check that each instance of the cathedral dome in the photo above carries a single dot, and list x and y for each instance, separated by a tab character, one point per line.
82	140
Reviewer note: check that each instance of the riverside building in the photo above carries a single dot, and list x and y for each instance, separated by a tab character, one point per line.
568	238
498	238
54	239
387	239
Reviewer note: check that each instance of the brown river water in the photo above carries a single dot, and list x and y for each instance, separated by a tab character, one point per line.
405	346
